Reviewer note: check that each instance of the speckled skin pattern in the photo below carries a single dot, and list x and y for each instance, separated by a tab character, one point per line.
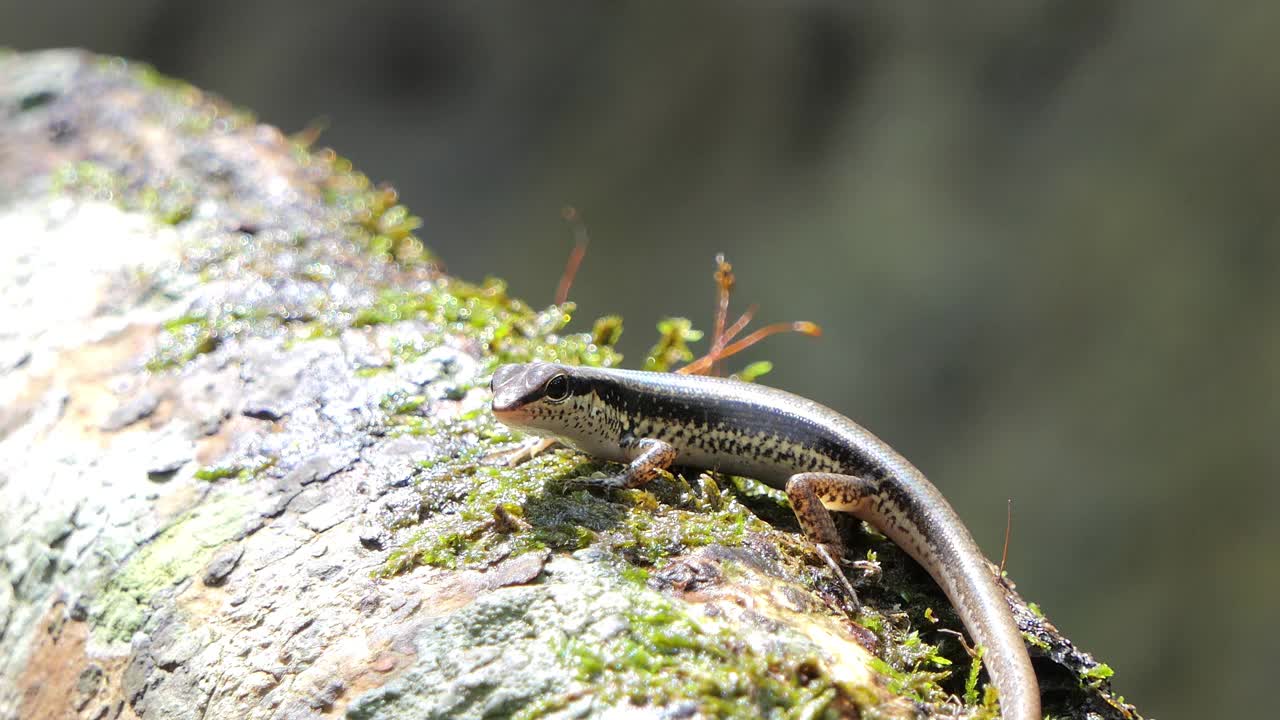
824	461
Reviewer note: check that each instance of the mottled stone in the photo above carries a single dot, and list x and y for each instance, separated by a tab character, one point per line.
272	544
325	696
87	686
307	500
493	657
326	572
321	467
139	676
393	465
399	506
372	537
223	562
383	663
208	398
169	455
368	604
175	643
516	571
411	448
131	411
78	611
422	371
30	578
271	395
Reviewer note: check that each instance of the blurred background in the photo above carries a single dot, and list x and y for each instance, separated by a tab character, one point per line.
1042	238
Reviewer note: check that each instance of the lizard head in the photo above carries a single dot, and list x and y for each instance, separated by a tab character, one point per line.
530	396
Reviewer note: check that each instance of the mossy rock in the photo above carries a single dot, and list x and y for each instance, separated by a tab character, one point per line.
250	470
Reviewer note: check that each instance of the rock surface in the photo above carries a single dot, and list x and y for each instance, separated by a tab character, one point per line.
247	468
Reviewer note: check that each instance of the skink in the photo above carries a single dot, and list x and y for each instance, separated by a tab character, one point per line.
823	460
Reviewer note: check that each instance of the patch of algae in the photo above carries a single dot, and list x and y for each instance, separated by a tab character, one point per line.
178	552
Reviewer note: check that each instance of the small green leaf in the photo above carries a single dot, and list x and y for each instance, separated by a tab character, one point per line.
607	330
755	370
1101	671
673	345
971	682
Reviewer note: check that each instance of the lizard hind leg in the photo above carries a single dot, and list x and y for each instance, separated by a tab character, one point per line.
813	496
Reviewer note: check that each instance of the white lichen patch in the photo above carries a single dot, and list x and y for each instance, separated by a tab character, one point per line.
61	258
73	504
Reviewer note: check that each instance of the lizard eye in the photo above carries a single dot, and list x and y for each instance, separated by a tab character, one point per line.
557	389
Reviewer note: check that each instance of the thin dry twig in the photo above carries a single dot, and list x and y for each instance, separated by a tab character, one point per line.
581	240
1008	530
722	345
724	287
971	651
739	324
803	327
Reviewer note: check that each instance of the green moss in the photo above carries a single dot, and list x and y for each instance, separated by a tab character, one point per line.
755	371
244	472
971	682
201	109
663	658
349	206
460	496
170	202
653	532
1036	641
189	336
508	329
607	331
920	685
214	474
400	403
371	216
1097	675
672	348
